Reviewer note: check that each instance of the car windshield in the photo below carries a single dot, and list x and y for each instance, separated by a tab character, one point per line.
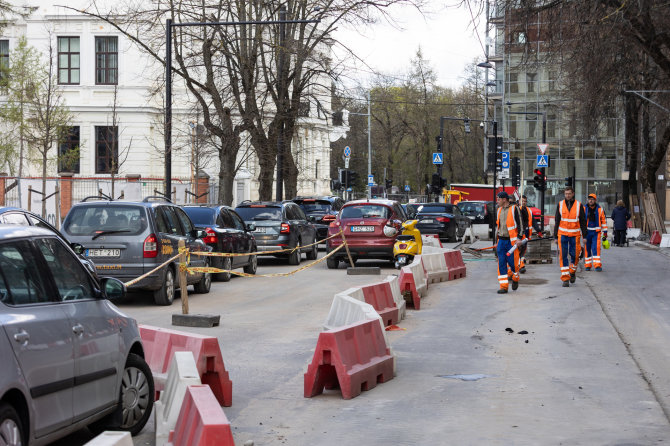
201	216
315	206
365	211
433	209
114	220
259	213
471	208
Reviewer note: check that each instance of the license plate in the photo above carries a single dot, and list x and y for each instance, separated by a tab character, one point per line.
103	252
402	260
427	221
261	229
362	229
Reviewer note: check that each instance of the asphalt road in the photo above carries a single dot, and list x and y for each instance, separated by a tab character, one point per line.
592	368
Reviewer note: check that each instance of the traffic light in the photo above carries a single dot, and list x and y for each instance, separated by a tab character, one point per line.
516	172
353	178
499	162
335	184
570	182
540	179
389	183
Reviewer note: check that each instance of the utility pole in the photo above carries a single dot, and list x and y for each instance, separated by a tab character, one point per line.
280	93
369	149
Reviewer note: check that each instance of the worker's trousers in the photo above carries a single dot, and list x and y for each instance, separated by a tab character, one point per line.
567	247
522	250
506	262
593	249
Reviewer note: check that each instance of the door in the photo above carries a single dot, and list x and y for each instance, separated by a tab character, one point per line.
97	337
40	335
194	244
243	238
232	237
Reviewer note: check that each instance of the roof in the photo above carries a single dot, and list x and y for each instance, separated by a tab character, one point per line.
372	201
12	231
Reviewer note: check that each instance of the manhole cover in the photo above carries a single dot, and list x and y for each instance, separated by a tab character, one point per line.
532	281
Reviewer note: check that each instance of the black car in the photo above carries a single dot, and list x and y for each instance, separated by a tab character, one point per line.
443	219
226	232
323	210
479	212
280	226
410	209
126	239
22	217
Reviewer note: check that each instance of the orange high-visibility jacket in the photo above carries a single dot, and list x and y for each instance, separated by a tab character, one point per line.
600	216
569	224
513	222
530	221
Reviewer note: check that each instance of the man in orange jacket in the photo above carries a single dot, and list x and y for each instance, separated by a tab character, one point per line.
527	221
569	225
509	227
596	225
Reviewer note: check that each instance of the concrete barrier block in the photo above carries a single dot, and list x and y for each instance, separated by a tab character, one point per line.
182	373
112	438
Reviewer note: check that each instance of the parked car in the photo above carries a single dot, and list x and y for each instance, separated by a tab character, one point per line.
480	212
126	239
443	219
323	210
280	226
226	232
370	228
22	217
70	358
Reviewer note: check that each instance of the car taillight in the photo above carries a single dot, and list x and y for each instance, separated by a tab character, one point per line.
211	236
285	228
443	219
328	217
150	247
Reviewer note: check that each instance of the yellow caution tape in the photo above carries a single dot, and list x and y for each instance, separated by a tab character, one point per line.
163	265
230	254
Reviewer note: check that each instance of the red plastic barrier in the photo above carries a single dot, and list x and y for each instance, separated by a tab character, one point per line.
380	296
161	343
201	421
655	238
407	285
355	357
455	264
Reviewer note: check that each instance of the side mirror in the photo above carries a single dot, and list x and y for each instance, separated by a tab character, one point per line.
251	227
113	288
311	218
78	248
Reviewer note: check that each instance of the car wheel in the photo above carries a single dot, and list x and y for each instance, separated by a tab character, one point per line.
204	285
11	428
165	294
137	394
332	262
313	254
294	257
252	266
227	264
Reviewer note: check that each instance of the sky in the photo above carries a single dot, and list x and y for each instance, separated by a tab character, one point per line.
446	37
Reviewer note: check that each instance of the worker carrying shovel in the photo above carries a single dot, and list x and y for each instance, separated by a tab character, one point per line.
570	230
509	227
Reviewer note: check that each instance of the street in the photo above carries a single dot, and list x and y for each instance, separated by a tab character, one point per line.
592	368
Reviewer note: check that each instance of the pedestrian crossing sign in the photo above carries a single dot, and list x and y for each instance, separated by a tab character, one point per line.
542	160
437	158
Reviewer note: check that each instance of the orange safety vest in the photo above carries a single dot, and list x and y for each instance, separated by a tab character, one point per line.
530	221
511	224
569	219
602	220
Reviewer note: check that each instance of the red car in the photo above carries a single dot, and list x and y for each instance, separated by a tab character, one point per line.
365	224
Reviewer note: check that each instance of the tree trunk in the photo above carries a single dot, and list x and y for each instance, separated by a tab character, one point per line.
266	150
227	160
290	165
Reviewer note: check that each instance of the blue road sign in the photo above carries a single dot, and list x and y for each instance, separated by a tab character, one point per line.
348	189
371	180
543	161
437	158
347	151
505	160
406	187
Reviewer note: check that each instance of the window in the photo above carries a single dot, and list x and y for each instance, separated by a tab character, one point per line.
226	220
72	281
23	281
171	220
68	60
106	60
532	125
552	80
4	57
185	221
316	169
106	150
68	150
512	128
531	78
513	82
551	126
14	218
239	224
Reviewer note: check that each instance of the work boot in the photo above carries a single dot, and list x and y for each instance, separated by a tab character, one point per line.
515	285
522	270
599	269
502	291
566	284
588	268
573	277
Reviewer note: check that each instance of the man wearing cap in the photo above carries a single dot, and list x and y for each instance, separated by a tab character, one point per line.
527	221
509	227
596	224
570	223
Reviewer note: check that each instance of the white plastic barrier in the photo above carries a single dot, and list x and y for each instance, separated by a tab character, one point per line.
428	240
347	309
632	233
400	303
112	438
182	373
416	267
665	241
436	267
481	231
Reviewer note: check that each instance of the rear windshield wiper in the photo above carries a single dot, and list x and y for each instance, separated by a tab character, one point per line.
109	232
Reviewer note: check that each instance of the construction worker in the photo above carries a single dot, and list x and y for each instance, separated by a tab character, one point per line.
570	232
596	226
527	221
507	235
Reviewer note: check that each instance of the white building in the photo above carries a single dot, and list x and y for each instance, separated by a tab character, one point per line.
95	61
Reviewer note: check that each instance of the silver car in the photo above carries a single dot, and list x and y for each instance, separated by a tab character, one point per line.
70	358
